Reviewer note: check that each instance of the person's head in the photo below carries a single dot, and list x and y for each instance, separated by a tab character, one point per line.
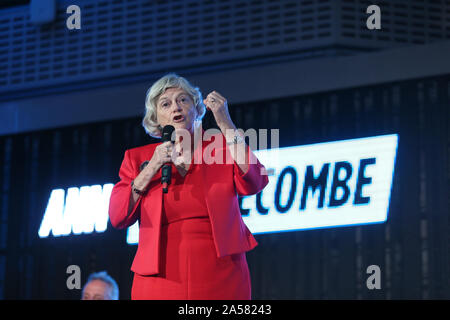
100	286
172	100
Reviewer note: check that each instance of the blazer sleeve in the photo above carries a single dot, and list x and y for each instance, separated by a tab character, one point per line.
120	197
252	181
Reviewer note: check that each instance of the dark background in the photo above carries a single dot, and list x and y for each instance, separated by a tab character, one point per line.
59	148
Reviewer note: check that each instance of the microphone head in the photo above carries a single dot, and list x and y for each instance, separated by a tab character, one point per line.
167	133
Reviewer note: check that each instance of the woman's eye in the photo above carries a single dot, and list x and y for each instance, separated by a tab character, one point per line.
184	99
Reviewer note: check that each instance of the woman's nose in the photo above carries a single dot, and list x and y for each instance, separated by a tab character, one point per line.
176	105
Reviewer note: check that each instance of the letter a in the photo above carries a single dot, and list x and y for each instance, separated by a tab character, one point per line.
74	280
373	21
373	282
73	21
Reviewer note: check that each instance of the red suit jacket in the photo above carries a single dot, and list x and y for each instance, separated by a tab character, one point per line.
222	183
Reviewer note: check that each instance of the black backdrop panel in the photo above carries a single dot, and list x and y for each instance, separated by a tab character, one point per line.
411	248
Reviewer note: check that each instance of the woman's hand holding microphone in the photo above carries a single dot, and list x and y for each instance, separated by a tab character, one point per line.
162	154
166	152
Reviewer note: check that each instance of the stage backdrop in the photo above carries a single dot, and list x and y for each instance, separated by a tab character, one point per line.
411	247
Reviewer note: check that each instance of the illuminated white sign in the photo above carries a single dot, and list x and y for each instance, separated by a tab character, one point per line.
80	210
321	185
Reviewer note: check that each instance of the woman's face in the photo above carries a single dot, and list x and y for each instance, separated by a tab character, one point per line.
176	107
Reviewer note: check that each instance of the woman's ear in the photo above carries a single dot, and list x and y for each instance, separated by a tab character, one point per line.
197	114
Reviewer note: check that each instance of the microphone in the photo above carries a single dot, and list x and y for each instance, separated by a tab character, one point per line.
166	171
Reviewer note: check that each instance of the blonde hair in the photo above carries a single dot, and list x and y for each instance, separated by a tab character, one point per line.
171	80
106	278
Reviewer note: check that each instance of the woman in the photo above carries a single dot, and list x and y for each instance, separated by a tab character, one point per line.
192	240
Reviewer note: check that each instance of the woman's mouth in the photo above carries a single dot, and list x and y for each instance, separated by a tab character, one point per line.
178	118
